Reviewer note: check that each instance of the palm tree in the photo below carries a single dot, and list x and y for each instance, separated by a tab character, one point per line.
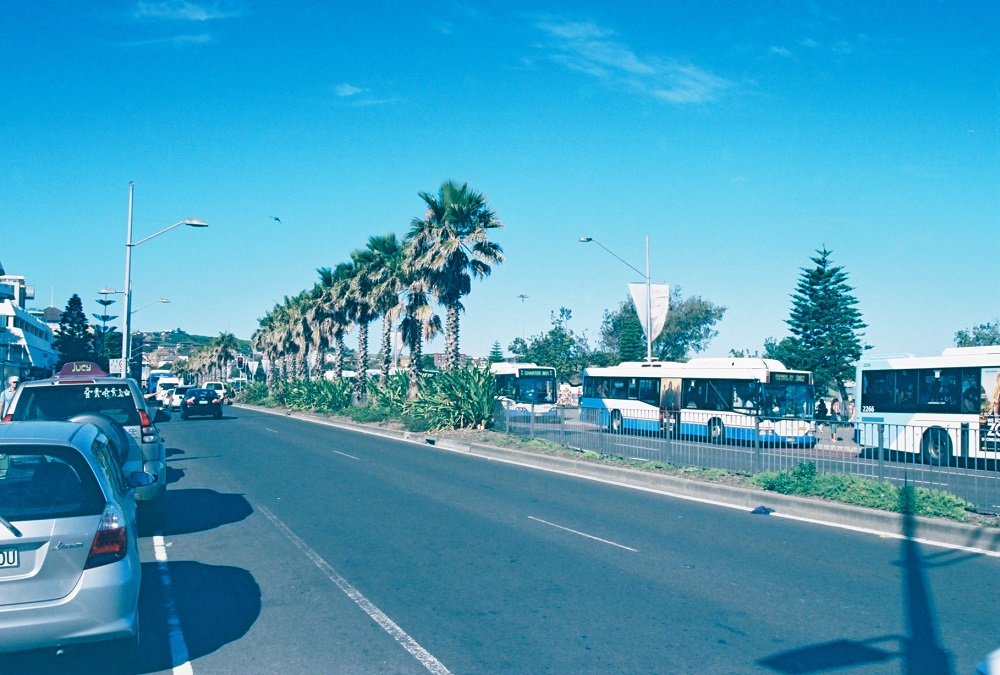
363	311
387	278
452	245
335	306
222	352
419	320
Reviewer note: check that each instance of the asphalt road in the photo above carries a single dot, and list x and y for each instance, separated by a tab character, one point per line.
292	547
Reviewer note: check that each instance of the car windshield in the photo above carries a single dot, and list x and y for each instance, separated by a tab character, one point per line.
44	483
62	401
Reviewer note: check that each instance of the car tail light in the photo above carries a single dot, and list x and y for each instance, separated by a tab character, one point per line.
148	430
9	417
190	401
216	400
111	541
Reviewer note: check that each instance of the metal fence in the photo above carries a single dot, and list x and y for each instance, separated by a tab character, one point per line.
951	460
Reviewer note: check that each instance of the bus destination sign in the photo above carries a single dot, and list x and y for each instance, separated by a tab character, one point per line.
789	378
534	372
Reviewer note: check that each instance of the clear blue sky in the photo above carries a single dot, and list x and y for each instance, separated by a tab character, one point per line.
740	137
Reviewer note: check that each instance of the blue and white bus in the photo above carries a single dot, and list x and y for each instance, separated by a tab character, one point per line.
718	400
935	408
526	387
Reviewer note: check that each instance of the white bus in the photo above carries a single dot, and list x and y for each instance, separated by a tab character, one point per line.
936	407
719	400
526	387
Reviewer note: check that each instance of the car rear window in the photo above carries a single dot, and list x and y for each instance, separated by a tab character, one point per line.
45	483
62	401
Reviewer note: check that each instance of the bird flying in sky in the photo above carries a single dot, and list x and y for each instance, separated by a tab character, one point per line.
275	218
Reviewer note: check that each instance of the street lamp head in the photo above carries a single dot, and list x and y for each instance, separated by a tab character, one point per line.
585	240
162	300
109	291
194	222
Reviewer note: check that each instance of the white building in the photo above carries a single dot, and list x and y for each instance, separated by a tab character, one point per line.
25	340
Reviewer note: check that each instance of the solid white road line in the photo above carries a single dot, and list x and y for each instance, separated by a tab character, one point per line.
338	452
175	635
584	534
387	624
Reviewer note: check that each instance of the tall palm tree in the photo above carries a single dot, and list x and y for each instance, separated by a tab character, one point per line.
363	311
387	278
335	306
223	351
419	320
451	243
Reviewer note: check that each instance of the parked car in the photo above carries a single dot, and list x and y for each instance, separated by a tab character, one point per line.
177	395
221	387
69	555
82	392
201	401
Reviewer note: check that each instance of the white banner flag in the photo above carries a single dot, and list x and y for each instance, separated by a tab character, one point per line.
659	305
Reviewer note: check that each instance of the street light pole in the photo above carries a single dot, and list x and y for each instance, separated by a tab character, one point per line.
649	301
127	322
523	298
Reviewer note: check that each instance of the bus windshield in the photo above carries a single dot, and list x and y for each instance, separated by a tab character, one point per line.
787	400
535	389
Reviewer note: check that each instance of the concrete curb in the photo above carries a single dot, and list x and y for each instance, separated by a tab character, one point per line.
941	532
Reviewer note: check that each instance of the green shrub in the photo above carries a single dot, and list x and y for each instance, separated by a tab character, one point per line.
318	395
368	414
253	393
392	396
461	398
804	480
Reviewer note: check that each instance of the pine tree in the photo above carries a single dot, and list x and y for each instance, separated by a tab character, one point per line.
631	340
496	353
73	341
826	325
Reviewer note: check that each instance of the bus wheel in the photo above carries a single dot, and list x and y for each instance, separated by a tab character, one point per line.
615	426
716	431
935	448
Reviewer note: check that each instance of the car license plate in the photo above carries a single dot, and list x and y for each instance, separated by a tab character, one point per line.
202	402
9	557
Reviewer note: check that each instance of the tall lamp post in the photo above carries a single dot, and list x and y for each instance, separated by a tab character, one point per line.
523	298
649	300
129	244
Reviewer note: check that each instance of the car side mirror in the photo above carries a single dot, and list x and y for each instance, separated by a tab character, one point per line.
138	479
161	415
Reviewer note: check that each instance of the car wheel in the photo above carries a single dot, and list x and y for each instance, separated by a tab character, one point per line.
184	416
217	415
935	448
716	431
615	423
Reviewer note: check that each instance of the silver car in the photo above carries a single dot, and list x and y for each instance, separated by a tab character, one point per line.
82	392
69	556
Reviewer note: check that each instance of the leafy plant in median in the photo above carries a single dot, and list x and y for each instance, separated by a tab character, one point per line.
804	479
461	398
318	395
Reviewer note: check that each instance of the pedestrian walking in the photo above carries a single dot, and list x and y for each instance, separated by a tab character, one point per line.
835	417
8	394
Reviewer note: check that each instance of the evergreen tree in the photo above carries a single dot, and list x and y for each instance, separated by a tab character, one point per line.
622	332
983	335
688	329
496	353
826	326
558	348
73	342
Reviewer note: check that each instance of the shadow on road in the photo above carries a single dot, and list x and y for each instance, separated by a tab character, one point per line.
211	605
920	649
200	510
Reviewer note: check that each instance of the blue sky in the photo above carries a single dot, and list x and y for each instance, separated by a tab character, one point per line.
740	137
